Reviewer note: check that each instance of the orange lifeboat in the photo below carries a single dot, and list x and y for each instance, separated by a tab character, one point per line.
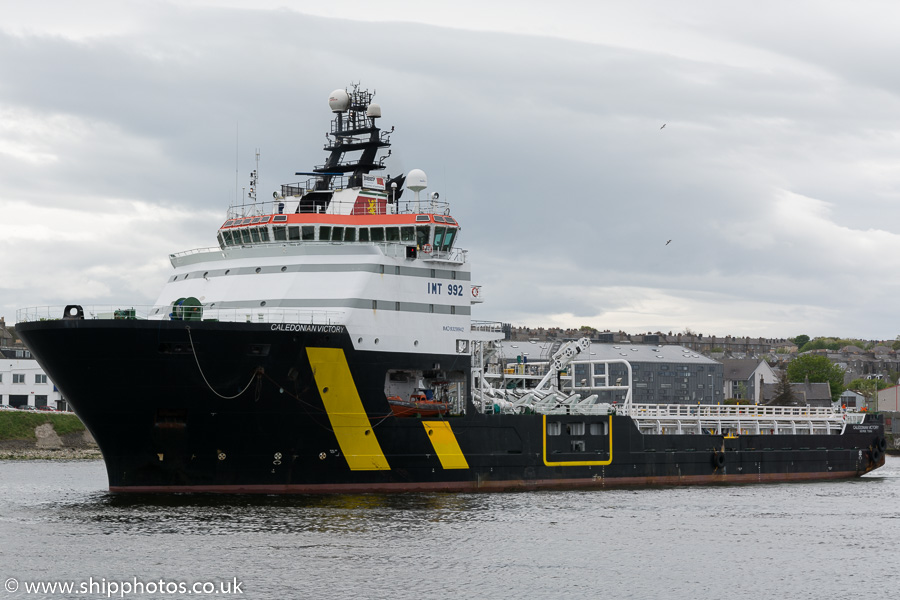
418	405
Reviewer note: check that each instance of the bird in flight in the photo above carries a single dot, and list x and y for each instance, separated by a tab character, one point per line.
663	125
669	242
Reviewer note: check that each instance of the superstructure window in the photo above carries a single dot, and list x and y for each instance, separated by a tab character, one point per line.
293	233
363	234
309	233
439	237
264	234
350	234
448	238
280	233
324	233
392	234
423	234
337	234
407	234
254	234
245	235
377	234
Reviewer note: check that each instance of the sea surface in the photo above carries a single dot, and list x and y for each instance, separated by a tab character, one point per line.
59	525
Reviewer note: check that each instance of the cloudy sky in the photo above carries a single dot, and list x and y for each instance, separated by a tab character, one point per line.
125	125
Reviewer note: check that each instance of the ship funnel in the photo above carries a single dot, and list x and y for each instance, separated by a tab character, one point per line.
416	181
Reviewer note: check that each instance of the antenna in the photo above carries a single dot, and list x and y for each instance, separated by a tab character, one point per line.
254	181
237	135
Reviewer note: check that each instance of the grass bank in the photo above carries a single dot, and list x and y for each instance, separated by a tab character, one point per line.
20	425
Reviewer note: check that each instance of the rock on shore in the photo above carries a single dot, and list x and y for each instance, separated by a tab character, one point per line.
48	445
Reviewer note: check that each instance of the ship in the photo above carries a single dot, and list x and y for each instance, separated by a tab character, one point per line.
326	344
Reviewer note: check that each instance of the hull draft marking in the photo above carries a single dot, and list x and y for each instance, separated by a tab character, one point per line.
445	444
578	463
345	411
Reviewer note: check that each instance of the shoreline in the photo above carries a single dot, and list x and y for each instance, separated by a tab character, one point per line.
48	454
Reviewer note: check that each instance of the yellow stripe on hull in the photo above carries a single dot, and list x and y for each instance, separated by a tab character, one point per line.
345	411
445	444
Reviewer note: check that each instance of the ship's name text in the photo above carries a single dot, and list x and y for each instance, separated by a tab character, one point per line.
307	328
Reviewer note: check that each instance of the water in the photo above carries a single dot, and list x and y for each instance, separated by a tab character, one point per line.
812	540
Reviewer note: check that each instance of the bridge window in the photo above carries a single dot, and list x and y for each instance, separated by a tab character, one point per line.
324	233
448	238
254	234
350	234
293	233
363	234
407	234
337	234
423	234
245	234
392	234
280	233
264	234
377	234
309	233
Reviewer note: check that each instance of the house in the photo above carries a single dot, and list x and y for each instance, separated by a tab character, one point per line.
889	399
22	380
805	394
744	377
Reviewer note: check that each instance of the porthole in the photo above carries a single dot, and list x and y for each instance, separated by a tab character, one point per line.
359	341
376	340
416	343
258	269
205	274
186	275
263	303
227	271
283	269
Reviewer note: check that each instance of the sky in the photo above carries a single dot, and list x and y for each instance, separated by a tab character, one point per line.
127	127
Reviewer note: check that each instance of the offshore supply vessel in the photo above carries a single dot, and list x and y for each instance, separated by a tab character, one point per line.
326	345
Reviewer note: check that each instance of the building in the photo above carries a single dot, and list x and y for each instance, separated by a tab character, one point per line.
889	399
22	380
805	394
661	374
744	378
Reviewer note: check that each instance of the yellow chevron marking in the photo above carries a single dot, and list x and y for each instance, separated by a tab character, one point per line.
578	463
345	410
445	444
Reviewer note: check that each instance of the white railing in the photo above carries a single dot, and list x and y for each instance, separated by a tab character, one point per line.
165	313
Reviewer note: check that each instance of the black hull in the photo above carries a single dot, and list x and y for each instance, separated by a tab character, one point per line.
246	407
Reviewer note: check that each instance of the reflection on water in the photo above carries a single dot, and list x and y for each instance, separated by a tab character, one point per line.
777	540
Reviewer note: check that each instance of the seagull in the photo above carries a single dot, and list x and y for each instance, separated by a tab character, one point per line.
669	242
663	125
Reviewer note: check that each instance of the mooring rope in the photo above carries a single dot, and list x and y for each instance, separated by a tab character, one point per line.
205	380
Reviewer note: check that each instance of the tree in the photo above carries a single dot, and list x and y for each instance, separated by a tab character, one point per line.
784	393
819	370
800	340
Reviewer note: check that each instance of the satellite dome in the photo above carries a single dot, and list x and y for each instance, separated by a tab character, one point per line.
373	111
339	101
416	180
